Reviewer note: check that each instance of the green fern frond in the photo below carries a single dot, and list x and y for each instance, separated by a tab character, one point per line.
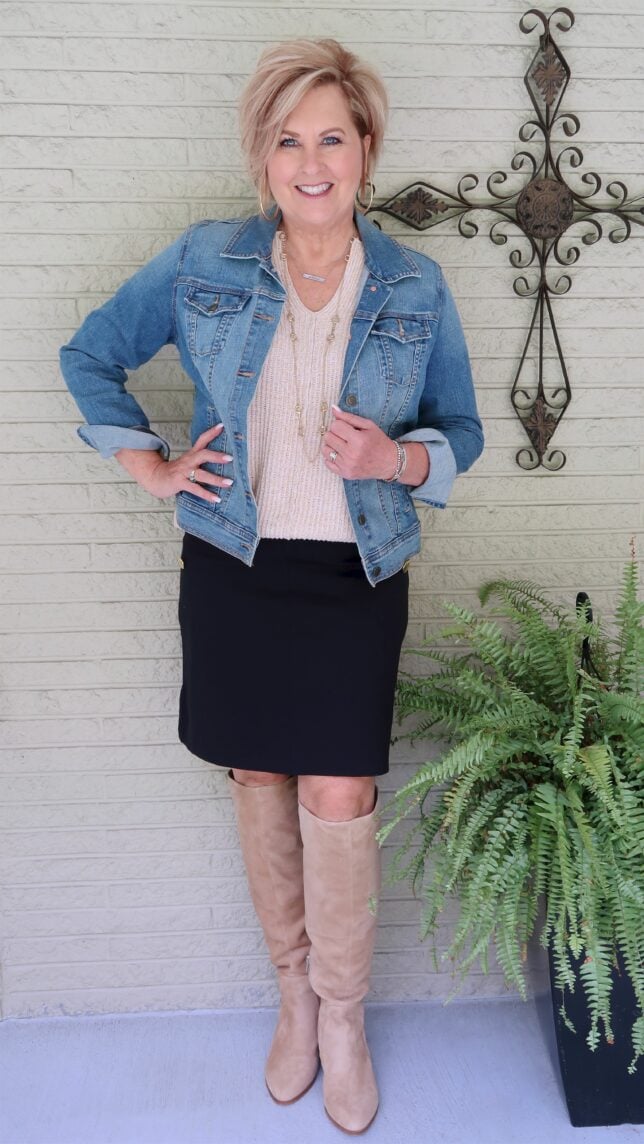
637	1035
616	707
509	937
540	850
595	973
597	774
522	595
573	738
629	613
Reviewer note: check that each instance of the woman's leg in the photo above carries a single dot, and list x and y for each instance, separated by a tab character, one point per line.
337	798
269	830
257	778
342	879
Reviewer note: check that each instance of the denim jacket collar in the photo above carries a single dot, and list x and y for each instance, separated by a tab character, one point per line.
384	257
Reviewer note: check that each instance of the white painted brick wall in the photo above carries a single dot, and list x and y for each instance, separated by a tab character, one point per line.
123	887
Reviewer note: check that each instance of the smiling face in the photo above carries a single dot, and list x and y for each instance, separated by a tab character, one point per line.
317	167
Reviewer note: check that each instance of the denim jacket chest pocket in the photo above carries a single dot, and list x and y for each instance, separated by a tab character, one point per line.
210	313
394	364
402	342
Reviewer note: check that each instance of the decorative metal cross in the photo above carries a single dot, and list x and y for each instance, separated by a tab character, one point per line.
544	210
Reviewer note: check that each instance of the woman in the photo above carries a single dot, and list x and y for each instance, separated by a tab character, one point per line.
332	386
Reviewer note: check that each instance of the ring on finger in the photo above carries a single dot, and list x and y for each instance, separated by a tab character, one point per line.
192	476
333	454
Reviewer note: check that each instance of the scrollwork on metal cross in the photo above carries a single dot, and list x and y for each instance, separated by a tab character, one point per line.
544	210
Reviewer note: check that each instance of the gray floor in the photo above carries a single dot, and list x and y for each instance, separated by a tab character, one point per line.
471	1072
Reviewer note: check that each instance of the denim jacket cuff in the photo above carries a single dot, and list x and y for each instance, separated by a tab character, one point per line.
108	439
436	489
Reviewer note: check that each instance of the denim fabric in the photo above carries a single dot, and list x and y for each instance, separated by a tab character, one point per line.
215	294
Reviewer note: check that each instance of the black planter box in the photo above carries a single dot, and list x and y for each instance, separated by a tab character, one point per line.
599	1089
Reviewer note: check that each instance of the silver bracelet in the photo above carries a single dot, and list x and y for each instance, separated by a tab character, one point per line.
401	462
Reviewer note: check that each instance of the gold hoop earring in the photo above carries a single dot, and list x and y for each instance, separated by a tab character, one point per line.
367	206
269	218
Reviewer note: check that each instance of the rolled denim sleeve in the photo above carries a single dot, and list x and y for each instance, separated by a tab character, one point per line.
448	420
120	335
108	439
435	490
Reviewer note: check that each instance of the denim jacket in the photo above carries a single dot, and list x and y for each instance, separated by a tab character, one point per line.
215	294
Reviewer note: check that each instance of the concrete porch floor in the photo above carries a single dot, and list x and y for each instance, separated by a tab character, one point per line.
471	1072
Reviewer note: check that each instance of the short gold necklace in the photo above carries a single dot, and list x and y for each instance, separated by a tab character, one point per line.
307	274
330	338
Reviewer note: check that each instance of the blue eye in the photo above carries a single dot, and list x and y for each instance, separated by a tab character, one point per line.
288	140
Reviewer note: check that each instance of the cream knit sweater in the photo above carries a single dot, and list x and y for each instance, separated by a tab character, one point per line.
296	497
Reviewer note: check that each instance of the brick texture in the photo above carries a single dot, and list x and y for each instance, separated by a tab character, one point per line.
122	882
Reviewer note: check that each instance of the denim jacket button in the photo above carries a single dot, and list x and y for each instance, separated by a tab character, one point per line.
352	399
362	518
377	570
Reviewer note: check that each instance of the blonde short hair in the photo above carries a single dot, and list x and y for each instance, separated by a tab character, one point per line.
284	74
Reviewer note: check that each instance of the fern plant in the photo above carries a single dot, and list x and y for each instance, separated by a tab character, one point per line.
539	790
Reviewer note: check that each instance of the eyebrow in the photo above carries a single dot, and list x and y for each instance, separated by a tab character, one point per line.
328	131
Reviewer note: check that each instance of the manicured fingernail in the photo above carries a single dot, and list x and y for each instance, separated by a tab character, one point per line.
218	426
215	497
226	457
227	481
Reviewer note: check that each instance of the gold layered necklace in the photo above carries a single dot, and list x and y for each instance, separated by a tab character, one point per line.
325	402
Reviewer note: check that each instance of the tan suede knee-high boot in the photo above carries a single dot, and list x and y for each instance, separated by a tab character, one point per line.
342	871
269	832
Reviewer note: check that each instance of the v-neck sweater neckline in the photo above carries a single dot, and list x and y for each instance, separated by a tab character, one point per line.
352	269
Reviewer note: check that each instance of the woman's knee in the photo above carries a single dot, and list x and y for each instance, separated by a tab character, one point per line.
337	798
257	778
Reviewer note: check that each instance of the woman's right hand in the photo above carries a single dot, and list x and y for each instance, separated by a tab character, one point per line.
165	478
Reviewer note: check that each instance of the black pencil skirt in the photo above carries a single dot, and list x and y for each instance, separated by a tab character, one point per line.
289	665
